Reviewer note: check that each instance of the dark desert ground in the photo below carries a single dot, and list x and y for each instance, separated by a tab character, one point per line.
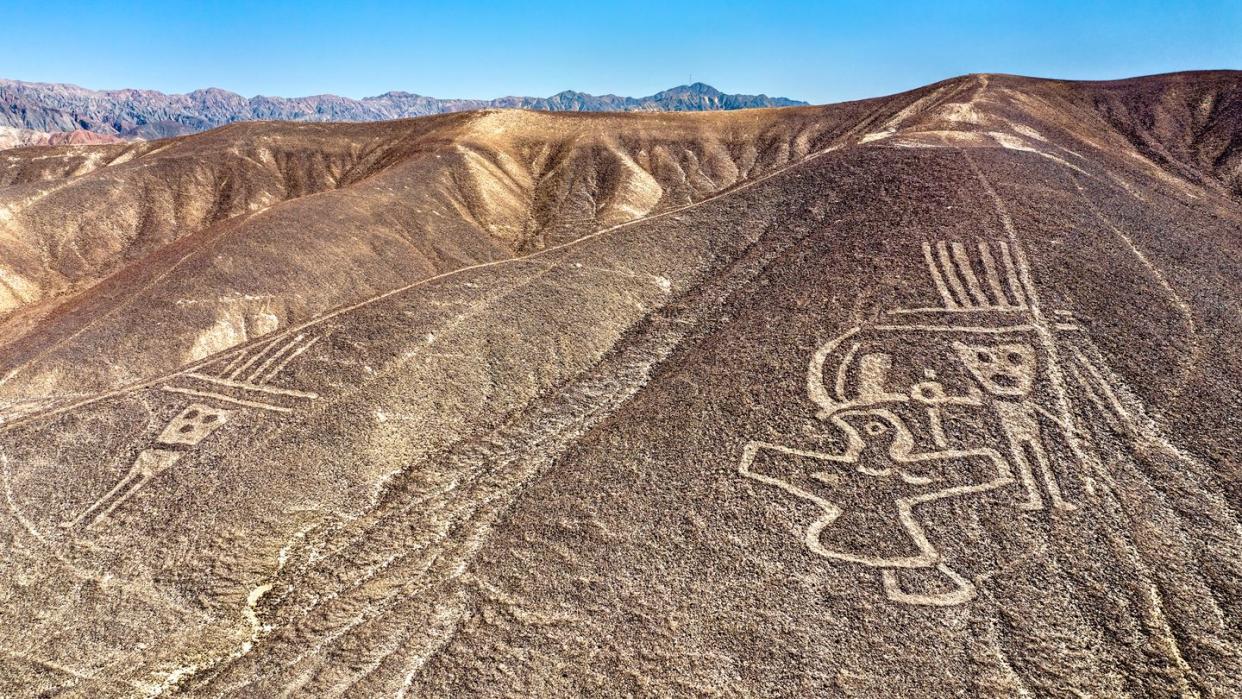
934	394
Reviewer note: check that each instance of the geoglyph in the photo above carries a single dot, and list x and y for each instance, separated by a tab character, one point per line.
942	402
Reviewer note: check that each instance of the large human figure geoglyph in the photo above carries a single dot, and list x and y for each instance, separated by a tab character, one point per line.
938	402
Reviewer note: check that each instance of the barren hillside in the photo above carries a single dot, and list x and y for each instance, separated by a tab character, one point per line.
226	236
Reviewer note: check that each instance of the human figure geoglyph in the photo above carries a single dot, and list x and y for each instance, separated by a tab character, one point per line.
985	355
869	492
1006	371
244	382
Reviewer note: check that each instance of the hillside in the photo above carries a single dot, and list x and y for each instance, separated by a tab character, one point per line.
148	114
12	138
931	394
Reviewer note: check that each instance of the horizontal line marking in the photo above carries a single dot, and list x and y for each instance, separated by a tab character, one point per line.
228	399
967	309
959	328
251	387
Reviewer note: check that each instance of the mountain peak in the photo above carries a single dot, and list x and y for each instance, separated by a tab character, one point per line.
700	89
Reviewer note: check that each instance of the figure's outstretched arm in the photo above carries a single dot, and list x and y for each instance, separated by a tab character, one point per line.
972	470
800	472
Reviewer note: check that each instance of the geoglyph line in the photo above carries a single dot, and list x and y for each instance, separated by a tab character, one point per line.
227	399
255	357
251	386
233	363
949	301
1183	308
946	265
958	281
284	362
972	282
973	309
274	357
849	356
960	328
1015	285
989	267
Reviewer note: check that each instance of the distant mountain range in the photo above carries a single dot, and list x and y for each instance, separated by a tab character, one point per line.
147	114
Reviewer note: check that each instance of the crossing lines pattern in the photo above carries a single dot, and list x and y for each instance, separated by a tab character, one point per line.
244	380
242	383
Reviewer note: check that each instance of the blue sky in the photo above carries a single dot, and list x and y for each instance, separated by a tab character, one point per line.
820	52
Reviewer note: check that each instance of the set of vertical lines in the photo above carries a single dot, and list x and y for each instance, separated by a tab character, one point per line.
288	358
957	278
251	372
244	361
261	372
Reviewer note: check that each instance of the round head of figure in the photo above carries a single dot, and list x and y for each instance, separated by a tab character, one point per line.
874	429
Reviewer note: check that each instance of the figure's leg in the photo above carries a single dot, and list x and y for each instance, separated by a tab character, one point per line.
1050	478
150	463
1033	499
121	485
129	492
964	590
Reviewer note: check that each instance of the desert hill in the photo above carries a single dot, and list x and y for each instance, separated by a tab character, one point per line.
930	394
13	138
225	236
147	114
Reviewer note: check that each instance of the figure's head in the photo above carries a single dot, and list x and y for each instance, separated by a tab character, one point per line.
874	429
1006	369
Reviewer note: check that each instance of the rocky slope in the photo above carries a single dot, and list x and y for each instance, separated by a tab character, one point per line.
933	395
49	107
12	138
251	227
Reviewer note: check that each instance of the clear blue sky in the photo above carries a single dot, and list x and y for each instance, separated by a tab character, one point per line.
821	52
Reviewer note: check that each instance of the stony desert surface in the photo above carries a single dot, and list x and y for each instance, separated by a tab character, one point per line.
935	394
